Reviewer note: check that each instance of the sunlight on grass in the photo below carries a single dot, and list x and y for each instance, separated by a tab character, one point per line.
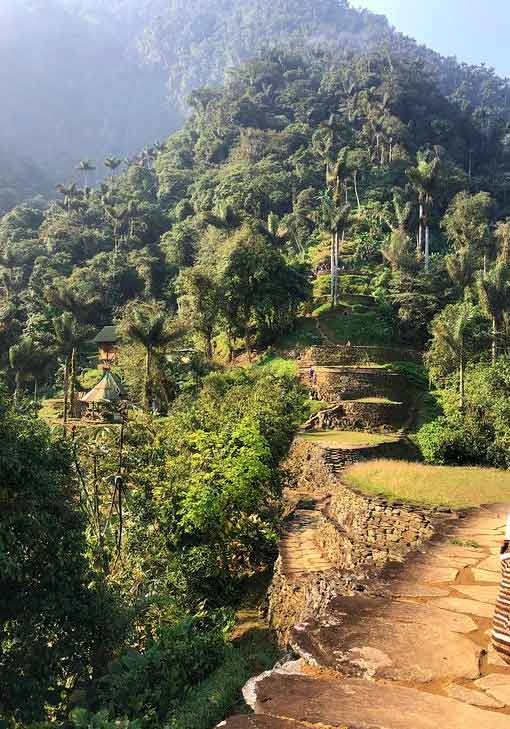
431	485
345	439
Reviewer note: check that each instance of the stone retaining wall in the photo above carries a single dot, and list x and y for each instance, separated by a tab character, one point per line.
357	533
353	384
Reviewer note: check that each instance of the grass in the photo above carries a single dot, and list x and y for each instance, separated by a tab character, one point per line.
359	329
315	406
304	335
220	693
345	438
51	410
279	365
431	485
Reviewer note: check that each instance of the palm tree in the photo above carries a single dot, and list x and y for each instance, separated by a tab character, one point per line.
85	167
502	235
398	251
424	178
27	360
147	324
461	267
112	163
70	331
69	194
69	334
452	332
494	295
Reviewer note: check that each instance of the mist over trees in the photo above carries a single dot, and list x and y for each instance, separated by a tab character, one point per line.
88	78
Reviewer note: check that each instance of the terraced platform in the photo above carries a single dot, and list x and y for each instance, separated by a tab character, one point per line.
414	655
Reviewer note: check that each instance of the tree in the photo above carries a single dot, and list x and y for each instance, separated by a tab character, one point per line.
466	223
112	163
461	267
200	300
70	331
85	167
28	362
494	295
50	621
147	324
424	178
451	329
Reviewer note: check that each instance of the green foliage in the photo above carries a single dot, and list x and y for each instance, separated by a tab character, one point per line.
149	686
50	618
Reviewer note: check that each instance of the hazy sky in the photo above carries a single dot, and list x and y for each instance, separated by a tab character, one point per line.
475	31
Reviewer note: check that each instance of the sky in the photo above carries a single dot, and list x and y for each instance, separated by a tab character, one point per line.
475	31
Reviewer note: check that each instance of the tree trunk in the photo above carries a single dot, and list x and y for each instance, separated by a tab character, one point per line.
494	340
147	380
485	263
72	384
333	272
208	345
420	232
427	247
461	378
17	391
66	387
355	180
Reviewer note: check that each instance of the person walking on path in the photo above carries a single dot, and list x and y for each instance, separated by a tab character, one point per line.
501	629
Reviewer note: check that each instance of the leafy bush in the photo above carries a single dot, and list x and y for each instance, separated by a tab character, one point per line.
148	686
442	443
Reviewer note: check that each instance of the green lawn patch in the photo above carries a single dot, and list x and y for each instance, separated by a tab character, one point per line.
279	365
430	485
360	329
345	438
378	401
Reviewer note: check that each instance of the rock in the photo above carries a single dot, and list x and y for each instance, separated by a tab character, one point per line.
468	607
492	564
486	594
431	573
485	576
364	704
389	639
473	698
260	722
497	686
494	658
410	589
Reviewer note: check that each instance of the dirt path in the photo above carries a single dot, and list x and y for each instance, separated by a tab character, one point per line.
415	655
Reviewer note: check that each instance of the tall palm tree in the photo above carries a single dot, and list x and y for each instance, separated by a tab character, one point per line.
398	251
461	267
85	167
112	163
70	331
502	235
27	360
424	179
148	325
494	295
452	333
69	334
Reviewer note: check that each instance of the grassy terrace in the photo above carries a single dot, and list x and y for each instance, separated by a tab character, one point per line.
345	439
430	485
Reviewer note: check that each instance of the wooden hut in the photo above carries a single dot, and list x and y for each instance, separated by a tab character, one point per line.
107	340
102	402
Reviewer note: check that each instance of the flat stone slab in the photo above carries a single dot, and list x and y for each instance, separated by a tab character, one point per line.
411	589
468	607
432	574
389	639
453	550
492	564
482	593
497	685
473	698
485	576
355	704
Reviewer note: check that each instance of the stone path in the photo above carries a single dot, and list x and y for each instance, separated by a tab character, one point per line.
299	551
414	655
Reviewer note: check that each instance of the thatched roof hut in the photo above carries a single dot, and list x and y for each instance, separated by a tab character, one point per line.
109	389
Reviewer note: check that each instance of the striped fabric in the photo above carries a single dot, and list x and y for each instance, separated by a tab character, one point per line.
501	632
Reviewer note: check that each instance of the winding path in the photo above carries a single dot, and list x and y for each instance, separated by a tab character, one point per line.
415	654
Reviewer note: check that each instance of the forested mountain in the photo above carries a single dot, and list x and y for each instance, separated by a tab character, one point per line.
363	188
85	78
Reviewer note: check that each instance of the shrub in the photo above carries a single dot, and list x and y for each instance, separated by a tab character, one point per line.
442	443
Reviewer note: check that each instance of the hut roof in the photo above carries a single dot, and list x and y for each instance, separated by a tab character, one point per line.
107	335
109	389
